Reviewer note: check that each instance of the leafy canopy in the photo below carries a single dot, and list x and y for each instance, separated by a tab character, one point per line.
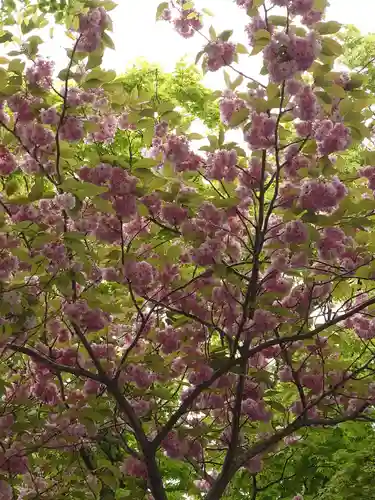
182	322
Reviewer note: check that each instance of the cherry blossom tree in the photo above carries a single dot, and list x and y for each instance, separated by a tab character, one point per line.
172	320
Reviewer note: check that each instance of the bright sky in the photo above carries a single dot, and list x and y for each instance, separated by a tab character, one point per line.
136	34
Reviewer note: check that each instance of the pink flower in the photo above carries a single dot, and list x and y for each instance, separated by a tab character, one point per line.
140	274
295	232
255	410
49	116
8	162
320	195
222	165
254	465
306	106
187	23
264	321
201	374
219	54
40	74
134	467
331	137
91	27
261	134
230	104
72	129
6	492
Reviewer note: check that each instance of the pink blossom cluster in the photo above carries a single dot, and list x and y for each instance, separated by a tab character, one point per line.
306	106
333	243
72	129
49	116
141	275
187	22
255	410
288	54
294	162
257	23
263	321
9	264
173	213
304	8
81	314
294	233
177	447
40	73
331	137
14	459
177	150
244	3
91	29
229	104
261	134
134	467
21	105
107	127
121	187
6	492
249	180
363	325
215	232
221	165
321	195
219	54
8	163
369	173
169	340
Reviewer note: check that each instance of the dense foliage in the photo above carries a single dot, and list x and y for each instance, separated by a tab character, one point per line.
179	323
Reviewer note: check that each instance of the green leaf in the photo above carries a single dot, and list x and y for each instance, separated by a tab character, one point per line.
82	189
6	36
320	5
36	192
16	66
188	5
272	90
108	42
259	46
336	91
94	60
241	49
101	75
225	35
277	20
236	82
328	28
161	8
147	163
194	136
212	33
262	34
162	393
103	205
109	5
331	47
122	493
199	55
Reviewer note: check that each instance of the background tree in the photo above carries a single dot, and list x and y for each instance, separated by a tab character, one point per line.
177	322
